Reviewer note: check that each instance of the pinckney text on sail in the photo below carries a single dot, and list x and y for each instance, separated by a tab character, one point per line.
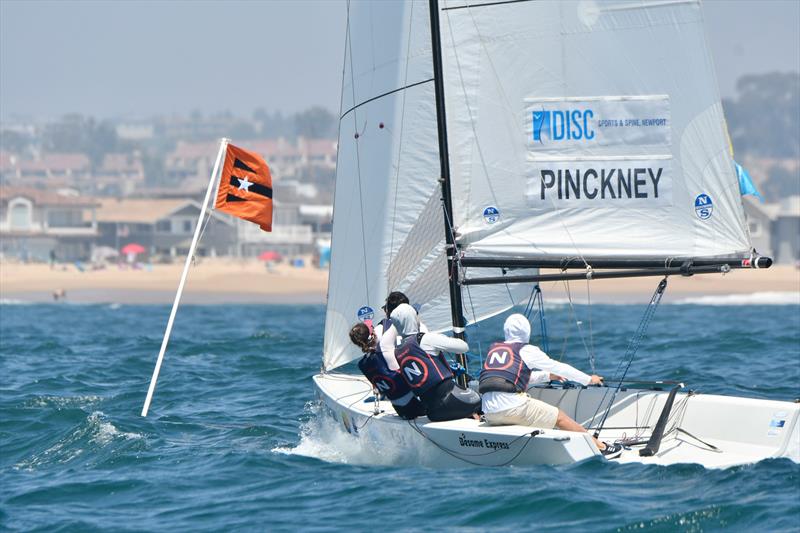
602	183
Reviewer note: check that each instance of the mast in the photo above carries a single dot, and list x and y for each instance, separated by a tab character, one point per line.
444	164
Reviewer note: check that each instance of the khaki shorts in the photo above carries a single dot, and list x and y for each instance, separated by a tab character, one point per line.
533	412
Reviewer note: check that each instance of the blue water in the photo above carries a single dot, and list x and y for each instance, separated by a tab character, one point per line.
234	441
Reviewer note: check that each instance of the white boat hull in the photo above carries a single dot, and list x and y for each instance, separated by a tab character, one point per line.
714	431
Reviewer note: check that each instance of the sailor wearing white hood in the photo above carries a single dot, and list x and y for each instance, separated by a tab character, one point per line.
507	372
426	370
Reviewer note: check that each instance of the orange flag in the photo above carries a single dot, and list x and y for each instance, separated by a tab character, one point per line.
245	187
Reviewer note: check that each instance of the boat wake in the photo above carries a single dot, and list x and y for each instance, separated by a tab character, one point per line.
323	438
755	298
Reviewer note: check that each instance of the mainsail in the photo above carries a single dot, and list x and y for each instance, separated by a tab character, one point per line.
592	129
571	134
388	231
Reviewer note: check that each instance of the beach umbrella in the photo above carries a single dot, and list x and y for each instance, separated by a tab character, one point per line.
269	255
132	249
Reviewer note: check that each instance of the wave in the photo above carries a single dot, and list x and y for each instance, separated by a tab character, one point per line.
93	433
63	402
13	301
755	298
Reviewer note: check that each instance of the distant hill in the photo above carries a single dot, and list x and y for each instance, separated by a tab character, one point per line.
764	119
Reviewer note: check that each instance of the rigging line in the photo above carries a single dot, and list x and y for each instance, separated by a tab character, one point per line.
512	111
477	325
488	4
358	162
202	231
529	306
577	326
402	123
403	88
633	347
542	320
591	332
338	144
469	109
477	143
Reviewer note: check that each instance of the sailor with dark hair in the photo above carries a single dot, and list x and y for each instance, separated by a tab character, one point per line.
387	333
387	382
425	369
507	372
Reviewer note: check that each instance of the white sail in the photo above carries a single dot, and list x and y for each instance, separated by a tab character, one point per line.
588	129
388	222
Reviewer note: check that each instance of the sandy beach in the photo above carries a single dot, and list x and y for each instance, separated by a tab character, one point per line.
209	281
238	281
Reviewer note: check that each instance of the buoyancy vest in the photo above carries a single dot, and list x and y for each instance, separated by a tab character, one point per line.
385	322
418	368
504	370
388	382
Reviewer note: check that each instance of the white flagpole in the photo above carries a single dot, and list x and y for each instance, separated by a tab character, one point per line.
223	144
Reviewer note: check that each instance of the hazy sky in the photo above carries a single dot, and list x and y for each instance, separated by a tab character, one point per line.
139	58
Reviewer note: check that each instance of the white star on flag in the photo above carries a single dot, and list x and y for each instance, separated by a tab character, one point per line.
245	184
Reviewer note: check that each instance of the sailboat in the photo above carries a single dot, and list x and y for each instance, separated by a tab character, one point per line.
481	141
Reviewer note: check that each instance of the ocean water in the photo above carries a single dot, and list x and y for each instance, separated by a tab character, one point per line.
235	442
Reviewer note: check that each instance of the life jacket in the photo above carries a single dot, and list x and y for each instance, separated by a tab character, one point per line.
388	382
385	322
418	368
504	370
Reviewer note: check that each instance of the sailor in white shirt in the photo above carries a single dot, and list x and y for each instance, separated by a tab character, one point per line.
508	370
386	332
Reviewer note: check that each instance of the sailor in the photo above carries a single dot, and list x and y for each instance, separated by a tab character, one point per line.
387	382
425	369
507	372
386	332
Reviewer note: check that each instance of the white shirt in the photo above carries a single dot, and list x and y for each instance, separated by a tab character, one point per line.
388	340
533	358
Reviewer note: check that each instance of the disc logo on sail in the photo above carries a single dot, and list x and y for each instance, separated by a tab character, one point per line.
560	125
573	125
703	206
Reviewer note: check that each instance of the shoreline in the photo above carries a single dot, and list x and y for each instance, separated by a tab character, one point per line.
221	281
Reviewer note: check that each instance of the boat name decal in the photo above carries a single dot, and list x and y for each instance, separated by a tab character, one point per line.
478	443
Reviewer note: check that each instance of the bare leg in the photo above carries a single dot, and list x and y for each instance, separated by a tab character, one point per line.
567	424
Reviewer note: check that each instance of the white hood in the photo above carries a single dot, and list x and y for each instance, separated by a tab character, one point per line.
405	319
517	329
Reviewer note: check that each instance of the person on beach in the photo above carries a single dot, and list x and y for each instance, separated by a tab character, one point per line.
385	381
508	370
425	369
386	332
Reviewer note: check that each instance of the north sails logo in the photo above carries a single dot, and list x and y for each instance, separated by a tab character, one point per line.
562	125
